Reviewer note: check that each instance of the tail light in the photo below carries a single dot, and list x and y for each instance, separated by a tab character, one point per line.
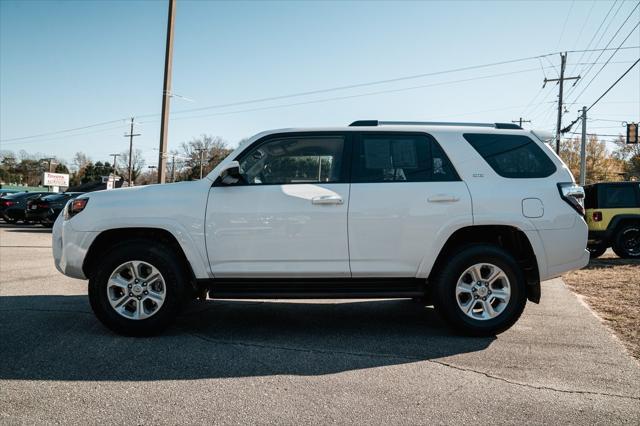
573	194
597	216
7	203
74	207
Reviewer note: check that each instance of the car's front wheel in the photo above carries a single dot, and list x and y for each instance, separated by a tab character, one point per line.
481	291
138	288
627	241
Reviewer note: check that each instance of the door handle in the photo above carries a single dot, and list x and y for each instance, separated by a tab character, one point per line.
443	198
327	199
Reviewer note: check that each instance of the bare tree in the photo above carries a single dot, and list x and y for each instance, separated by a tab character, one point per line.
137	163
212	149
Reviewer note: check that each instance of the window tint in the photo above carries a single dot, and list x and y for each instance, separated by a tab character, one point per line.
400	157
590	197
294	160
618	197
512	156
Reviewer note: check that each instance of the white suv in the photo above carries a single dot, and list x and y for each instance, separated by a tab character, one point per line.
467	217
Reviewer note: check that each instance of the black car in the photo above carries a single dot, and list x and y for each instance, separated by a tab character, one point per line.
45	209
12	206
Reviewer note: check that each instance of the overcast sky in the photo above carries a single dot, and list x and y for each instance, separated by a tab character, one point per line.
70	64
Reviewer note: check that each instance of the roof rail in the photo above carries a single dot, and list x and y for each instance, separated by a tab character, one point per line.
374	123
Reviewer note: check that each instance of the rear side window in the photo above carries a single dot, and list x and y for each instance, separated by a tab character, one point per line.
402	157
512	156
618	197
590	197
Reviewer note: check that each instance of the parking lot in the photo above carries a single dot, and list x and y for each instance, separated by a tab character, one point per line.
297	362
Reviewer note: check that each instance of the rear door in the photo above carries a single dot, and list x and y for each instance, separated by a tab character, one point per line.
289	218
405	199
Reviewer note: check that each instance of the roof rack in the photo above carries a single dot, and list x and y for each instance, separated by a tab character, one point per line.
374	123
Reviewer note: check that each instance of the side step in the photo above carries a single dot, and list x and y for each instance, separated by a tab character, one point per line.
316	288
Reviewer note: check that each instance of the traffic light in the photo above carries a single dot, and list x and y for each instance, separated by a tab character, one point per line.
632	132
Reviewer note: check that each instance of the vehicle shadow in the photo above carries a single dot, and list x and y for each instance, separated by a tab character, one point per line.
58	338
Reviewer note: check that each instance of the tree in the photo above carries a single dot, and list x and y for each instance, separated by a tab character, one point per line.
215	150
629	154
600	164
137	164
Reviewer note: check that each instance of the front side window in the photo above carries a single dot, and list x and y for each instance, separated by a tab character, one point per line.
400	157
291	160
512	156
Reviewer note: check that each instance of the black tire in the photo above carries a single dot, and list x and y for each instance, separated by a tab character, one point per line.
10	220
446	279
626	242
161	257
596	251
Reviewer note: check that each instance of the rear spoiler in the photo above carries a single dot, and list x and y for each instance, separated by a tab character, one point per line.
544	136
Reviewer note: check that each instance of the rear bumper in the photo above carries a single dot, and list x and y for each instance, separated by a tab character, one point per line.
37	214
565	249
70	248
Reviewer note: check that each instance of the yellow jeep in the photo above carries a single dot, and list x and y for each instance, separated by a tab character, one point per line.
613	216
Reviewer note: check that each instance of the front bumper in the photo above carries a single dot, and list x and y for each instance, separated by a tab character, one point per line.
70	247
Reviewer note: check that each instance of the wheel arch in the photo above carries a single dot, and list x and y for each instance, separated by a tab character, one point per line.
511	238
619	220
109	238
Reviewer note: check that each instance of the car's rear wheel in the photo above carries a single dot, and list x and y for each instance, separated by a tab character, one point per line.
481	291
596	251
138	288
626	243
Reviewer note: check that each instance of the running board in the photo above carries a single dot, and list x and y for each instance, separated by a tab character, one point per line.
316	288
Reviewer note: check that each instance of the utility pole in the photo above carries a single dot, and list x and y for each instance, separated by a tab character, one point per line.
563	63
114	162
173	168
131	135
520	121
201	150
166	94
583	144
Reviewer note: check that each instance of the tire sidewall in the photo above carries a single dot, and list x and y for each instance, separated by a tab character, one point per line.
619	242
445	296
155	254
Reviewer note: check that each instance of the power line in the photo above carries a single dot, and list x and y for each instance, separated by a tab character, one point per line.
62	131
300	94
564	26
610	41
568	128
403	89
605	64
614	84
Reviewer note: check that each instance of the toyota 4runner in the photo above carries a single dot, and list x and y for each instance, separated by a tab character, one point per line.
467	217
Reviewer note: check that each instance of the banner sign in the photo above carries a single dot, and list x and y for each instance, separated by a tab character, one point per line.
55	179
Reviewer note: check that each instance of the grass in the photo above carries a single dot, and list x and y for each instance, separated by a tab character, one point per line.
611	287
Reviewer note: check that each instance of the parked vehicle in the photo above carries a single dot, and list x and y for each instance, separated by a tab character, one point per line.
46	208
4	192
468	217
12	206
613	216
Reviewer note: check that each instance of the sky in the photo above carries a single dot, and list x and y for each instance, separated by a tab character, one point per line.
71	64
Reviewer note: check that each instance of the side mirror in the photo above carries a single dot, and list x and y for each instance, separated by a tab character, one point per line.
230	175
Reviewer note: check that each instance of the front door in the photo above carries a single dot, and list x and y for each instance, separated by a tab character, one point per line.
288	219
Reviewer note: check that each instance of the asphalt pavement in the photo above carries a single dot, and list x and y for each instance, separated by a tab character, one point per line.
297	362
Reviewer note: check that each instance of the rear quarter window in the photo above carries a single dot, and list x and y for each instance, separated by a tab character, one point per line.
618	197
512	156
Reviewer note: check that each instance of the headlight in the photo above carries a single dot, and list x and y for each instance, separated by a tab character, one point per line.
74	207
